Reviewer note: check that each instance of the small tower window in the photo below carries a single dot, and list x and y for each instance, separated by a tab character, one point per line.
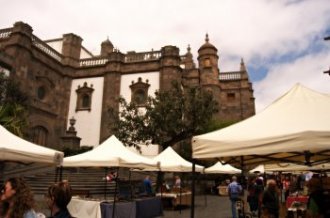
139	92
84	97
207	62
231	96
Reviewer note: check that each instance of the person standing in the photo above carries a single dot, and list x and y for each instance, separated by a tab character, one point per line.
316	205
286	187
18	198
177	182
58	197
234	191
147	185
270	200
253	196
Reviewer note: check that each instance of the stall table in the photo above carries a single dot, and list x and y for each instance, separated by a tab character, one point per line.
138	208
299	198
149	207
84	208
176	199
223	190
122	209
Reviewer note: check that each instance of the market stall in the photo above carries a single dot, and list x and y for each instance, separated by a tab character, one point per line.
294	129
14	148
111	153
219	168
170	161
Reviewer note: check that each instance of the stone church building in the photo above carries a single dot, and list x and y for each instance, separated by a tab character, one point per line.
64	80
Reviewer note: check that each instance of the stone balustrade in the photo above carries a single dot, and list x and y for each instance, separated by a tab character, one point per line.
230	76
5	33
88	62
46	48
142	56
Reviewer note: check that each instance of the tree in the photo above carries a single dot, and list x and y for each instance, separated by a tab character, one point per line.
12	105
168	118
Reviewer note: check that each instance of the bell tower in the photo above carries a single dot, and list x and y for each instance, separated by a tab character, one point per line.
208	63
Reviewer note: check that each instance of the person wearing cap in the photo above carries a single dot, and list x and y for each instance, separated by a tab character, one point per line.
234	191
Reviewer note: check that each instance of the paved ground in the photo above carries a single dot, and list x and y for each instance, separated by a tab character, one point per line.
209	206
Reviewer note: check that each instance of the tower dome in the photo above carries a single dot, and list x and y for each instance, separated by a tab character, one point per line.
106	47
107	42
207	47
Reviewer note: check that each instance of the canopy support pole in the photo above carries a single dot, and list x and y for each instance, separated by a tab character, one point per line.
61	173
242	172
130	182
205	193
56	173
105	182
180	192
192	208
115	195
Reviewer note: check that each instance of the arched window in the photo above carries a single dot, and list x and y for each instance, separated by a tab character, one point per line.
40	135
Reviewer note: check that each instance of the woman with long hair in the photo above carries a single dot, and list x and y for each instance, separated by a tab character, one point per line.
18	198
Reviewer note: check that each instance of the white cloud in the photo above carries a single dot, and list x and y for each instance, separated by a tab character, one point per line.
260	31
307	70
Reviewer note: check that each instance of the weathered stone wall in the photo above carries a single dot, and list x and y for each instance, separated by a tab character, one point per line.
35	65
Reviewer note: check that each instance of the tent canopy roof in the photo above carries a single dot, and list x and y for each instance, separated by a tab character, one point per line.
294	128
14	148
170	161
220	168
111	153
288	167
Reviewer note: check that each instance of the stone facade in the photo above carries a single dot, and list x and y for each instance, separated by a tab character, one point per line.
46	75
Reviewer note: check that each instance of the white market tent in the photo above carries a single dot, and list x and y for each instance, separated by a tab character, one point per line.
14	148
294	128
111	153
258	169
170	161
290	167
220	168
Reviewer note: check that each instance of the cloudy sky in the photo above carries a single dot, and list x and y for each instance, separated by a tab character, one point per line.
281	41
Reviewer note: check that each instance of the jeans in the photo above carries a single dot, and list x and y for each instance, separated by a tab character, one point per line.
233	207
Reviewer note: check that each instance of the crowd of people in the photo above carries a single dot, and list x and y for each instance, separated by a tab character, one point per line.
265	196
17	200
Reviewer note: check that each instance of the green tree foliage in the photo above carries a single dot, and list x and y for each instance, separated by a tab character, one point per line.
168	118
70	151
12	105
